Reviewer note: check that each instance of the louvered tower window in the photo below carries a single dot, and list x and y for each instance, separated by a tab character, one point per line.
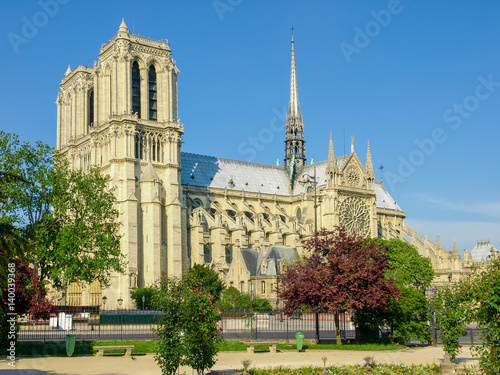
136	89
153	104
91	109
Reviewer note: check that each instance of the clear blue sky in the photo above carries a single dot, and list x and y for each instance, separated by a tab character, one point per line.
396	73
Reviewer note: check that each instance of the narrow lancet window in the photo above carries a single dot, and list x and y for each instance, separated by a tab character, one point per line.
91	109
136	89
153	109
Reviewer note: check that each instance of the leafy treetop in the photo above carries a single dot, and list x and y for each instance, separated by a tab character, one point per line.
205	278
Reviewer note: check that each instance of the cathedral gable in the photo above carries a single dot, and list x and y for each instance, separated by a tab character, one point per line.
353	173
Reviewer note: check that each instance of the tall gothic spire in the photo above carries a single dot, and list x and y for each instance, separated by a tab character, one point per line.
331	153
294	143
293	106
331	167
438	242
369	165
455	247
331	157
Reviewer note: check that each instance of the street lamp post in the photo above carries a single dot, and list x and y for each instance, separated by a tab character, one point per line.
251	310
311	180
104	300
120	301
307	181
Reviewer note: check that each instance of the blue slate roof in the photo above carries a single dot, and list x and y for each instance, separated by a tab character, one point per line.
250	258
277	253
203	170
384	199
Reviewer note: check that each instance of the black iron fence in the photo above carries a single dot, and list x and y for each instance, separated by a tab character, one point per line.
90	323
93	324
470	336
241	324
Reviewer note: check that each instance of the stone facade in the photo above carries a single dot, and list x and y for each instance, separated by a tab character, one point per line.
178	209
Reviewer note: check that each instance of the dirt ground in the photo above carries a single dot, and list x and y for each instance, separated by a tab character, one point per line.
226	361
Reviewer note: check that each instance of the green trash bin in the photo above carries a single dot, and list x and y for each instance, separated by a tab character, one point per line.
299	336
70	344
247	323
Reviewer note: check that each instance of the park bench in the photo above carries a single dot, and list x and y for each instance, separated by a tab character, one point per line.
101	349
251	345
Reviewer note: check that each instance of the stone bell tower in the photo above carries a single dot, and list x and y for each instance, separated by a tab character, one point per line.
121	114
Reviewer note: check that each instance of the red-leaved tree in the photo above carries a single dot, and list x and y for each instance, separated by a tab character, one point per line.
344	272
30	294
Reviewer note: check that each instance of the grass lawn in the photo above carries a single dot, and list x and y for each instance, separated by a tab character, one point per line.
36	348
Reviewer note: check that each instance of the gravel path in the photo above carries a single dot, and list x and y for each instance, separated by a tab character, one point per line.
227	361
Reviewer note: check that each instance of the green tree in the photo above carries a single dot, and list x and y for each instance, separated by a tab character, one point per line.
261	304
451	306
80	241
25	187
10	179
201	330
229	298
485	310
170	344
233	298
148	293
205	278
34	198
407	315
188	331
475	299
407	266
12	244
12	247
68	217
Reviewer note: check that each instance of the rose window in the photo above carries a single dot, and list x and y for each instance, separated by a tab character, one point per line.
353	176
355	216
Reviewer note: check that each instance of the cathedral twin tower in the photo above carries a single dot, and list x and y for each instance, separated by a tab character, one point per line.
121	114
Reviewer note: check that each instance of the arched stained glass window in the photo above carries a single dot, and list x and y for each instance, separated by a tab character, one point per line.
136	89
153	103
91	109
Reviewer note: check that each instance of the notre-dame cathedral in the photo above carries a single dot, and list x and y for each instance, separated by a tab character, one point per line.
178	209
